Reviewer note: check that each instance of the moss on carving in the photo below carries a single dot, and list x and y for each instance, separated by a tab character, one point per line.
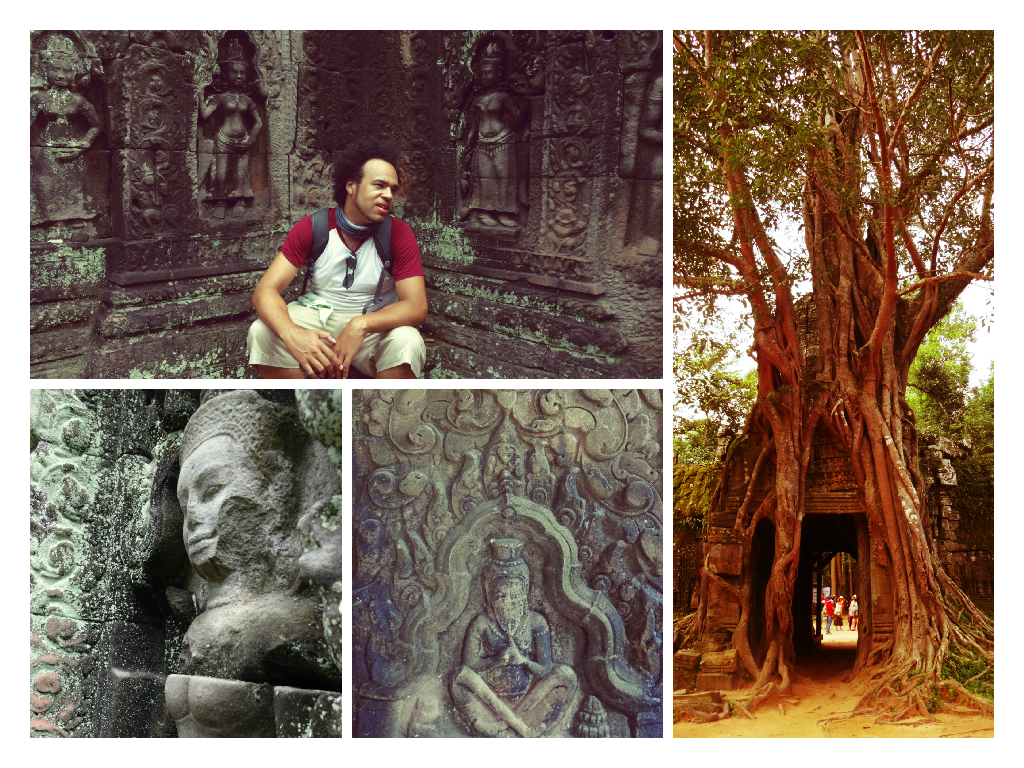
66	267
172	370
692	488
444	241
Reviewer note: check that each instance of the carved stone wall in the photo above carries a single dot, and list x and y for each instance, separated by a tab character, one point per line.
508	574
967	555
835	521
102	631
123	607
831	495
161	188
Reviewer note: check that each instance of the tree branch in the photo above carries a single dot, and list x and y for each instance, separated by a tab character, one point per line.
938	278
916	92
967	187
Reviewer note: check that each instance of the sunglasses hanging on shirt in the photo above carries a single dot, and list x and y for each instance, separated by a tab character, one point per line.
350	272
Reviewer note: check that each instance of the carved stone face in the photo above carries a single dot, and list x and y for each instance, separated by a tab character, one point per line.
59	72
490	72
507	598
219	490
237	74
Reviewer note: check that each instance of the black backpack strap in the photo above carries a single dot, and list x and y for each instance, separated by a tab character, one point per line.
382	239
382	242
321	234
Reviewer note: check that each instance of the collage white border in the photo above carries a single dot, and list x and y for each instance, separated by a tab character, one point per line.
1010	418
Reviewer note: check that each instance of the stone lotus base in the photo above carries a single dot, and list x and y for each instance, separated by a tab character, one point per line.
210	707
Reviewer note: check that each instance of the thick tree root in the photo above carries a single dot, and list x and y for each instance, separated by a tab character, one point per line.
824	722
746	712
909	697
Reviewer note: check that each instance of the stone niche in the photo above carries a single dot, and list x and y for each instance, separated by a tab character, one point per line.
508	573
185	563
167	167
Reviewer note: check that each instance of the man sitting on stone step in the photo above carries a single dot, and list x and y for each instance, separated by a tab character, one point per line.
351	315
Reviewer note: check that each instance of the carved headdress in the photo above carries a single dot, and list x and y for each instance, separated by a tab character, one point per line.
61	50
242	415
494	51
494	46
506	562
235	53
59	47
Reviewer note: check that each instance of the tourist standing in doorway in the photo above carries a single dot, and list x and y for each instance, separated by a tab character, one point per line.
853	613
830	608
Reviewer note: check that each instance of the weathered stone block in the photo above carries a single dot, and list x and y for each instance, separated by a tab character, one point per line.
175	315
716	681
708	701
70	189
209	707
577	98
150	103
189	257
300	713
726	559
66	271
686	659
60	342
133	704
684	669
154	193
535	359
60	314
199	354
683	679
724	661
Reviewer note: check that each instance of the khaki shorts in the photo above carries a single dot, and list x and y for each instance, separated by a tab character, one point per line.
380	351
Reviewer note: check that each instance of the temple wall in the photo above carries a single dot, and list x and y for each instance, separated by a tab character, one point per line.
144	258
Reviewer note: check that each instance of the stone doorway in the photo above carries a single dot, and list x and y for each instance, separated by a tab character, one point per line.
824	537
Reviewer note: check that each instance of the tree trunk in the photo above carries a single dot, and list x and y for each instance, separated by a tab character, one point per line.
850	383
835	368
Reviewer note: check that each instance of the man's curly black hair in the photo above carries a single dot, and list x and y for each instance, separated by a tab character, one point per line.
349	162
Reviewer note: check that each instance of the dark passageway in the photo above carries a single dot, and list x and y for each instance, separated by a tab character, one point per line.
823	538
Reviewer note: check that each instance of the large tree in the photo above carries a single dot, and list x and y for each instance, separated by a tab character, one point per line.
876	151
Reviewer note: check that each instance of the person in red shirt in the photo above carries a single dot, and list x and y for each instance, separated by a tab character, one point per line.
830	610
325	333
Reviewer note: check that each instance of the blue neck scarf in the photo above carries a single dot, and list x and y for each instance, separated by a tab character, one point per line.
350	229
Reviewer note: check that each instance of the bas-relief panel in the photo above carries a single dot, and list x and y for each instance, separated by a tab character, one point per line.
508	574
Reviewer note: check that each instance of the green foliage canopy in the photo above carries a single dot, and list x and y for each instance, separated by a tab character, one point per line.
938	385
763	104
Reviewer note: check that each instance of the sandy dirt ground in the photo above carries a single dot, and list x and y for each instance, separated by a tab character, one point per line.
810	709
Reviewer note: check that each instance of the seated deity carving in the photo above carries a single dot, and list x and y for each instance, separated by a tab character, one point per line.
508	684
